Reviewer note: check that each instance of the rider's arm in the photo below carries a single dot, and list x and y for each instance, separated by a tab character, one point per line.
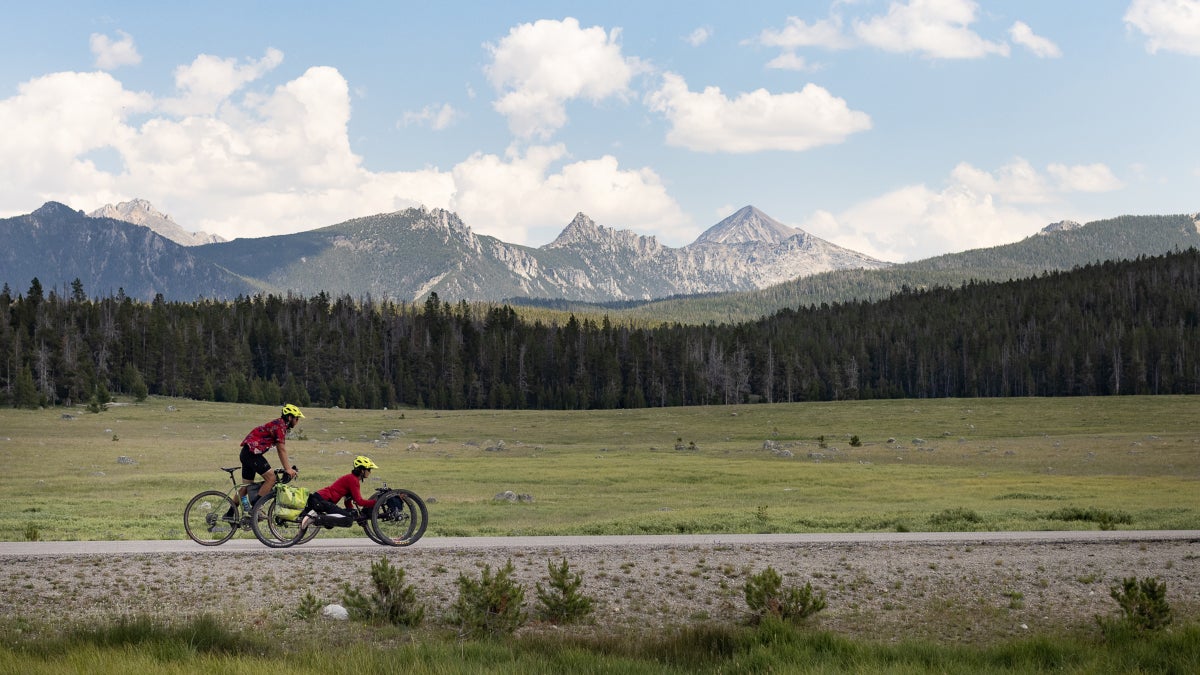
283	459
356	494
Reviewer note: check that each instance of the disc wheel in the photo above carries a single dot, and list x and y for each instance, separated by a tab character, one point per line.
399	518
207	518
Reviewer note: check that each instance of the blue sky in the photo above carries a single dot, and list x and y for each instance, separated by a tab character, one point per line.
902	129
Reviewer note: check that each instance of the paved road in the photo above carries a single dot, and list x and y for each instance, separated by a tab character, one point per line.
248	543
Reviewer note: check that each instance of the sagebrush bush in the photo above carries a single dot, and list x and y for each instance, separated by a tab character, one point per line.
765	596
491	605
562	601
392	602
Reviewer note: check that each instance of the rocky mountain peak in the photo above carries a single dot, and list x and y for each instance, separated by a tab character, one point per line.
583	233
1061	226
141	212
748	225
52	210
580	230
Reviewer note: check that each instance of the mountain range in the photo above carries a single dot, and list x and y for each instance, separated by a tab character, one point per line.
405	256
745	266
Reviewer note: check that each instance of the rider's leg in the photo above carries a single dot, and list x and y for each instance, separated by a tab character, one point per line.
252	466
268	482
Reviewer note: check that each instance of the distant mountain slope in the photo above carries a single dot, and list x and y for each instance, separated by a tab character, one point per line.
408	254
142	212
403	256
57	245
1057	247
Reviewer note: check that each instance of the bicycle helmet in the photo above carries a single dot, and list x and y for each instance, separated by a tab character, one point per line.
289	409
364	462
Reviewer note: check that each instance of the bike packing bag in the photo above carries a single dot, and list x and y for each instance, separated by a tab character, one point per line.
291	497
284	513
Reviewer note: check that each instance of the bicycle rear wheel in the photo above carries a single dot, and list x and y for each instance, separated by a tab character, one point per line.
399	518
211	518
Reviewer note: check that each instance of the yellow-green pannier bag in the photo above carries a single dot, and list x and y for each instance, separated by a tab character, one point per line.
290	501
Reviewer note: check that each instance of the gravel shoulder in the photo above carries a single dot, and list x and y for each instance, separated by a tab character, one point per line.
968	589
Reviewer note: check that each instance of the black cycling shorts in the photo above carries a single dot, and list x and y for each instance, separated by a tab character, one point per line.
253	465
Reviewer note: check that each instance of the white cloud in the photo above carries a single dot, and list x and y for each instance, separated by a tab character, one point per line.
789	61
50	127
1017	182
435	117
1170	25
698	36
529	198
540	66
1085	178
1023	35
934	28
279	161
708	121
208	81
827	33
974	209
111	54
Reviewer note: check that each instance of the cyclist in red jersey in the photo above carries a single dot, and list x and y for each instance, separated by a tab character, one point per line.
258	442
347	487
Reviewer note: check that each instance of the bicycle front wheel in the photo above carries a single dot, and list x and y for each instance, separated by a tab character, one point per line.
211	518
399	518
273	529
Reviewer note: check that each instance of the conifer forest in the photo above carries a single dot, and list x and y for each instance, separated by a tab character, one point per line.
1112	328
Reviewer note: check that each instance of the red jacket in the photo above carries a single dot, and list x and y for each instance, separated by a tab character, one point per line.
346	486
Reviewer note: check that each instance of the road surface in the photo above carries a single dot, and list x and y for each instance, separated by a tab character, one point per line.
246	542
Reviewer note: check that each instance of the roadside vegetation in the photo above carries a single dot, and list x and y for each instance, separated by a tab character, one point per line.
769	643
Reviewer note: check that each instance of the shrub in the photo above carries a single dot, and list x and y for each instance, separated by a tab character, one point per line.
766	597
1107	520
563	602
32	532
957	517
1143	606
855	441
392	601
492	605
309	607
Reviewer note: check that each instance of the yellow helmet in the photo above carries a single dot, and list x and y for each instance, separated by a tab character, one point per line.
364	462
289	409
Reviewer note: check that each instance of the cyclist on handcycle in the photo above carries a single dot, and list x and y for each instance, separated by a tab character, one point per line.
324	501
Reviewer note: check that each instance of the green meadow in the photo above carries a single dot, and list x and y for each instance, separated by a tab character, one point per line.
895	465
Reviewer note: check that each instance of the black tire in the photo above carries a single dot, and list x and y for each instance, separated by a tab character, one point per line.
399	518
369	528
204	518
367	525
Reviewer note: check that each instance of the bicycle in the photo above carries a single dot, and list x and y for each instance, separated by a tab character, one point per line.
212	517
398	518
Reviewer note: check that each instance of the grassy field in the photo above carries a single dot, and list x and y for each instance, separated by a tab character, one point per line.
940	464
208	645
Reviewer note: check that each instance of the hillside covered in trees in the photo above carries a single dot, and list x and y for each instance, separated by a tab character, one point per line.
1110	328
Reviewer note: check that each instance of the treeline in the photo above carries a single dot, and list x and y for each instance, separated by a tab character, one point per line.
1112	328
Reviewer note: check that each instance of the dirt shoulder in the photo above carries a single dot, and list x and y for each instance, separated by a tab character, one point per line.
946	592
